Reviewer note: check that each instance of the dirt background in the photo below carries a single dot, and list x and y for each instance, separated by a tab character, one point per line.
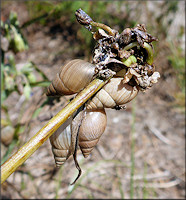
153	120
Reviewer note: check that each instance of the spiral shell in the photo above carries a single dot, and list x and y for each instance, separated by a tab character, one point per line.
92	127
89	124
72	78
61	143
115	92
77	74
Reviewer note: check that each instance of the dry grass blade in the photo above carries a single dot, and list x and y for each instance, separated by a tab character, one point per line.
159	135
160	175
164	185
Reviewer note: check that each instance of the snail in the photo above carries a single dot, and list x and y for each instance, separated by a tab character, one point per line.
92	127
77	74
125	60
89	123
61	143
76	70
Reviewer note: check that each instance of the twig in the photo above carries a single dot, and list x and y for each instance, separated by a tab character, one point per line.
158	134
164	185
42	135
160	175
160	185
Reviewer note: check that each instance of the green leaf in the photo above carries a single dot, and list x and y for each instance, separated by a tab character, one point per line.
36	113
27	91
40	84
11	60
13	18
3	96
9	83
27	68
19	44
31	78
40	72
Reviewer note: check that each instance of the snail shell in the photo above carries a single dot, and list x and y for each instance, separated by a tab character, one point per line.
77	74
92	127
88	124
61	143
72	78
115	92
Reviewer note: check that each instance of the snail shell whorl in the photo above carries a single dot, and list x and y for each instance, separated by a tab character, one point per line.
115	92
61	142
92	127
72	78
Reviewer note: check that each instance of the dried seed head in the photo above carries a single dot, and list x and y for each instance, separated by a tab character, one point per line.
83	18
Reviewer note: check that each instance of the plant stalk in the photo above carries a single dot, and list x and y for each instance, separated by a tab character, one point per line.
18	158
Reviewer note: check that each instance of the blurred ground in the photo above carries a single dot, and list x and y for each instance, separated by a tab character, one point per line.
153	119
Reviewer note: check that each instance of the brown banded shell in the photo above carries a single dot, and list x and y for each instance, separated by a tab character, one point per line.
61	143
72	78
115	92
90	123
92	127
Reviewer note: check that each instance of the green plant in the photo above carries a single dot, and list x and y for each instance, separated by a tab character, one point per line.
13	34
14	78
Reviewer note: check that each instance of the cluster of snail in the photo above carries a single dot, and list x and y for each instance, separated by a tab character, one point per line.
127	57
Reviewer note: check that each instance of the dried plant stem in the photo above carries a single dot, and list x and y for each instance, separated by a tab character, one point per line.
42	135
103	26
